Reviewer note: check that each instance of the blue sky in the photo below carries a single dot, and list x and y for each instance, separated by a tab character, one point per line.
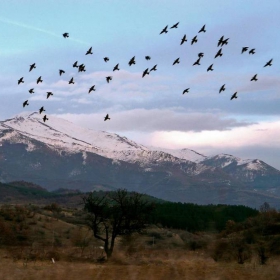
150	110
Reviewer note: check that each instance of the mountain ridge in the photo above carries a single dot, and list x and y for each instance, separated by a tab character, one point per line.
60	154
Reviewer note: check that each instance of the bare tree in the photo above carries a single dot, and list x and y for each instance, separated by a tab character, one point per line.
115	214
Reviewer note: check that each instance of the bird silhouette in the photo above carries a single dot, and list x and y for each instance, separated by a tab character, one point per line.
154	68
164	30
65	35
106	117
41	110
25	103
20	80
106	59
71	81
81	68
225	42
147	57
220	41
175	25
91	89
210	68
252	51
75	64
186	90
244	49
131	61
32	66
109	78
176	61
234	96
61	72
222	88
31	90
202	29
116	67
45	118
39	80
219	53
197	62
200	54
254	78
194	40
269	63
49	93
89	51
145	72
184	39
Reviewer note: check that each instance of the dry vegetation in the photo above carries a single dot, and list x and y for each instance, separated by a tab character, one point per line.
158	253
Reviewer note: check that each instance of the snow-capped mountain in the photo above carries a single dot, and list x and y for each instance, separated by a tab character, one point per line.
59	153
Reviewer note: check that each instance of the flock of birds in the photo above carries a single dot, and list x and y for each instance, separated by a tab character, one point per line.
81	68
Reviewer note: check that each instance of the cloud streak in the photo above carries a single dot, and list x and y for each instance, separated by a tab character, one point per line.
30	27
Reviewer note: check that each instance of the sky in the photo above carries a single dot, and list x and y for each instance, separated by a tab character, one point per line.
151	110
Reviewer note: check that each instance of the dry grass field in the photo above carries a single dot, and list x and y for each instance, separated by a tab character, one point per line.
153	264
158	253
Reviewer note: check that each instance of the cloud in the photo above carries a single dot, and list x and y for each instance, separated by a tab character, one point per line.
143	120
265	134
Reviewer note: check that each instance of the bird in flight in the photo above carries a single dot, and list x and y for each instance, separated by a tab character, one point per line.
254	78
202	29
49	93
224	42
154	68
41	110
107	117
176	61
116	67
109	78
131	61
89	51
71	81
244	49
45	118
220	41
20	80
252	51
269	63
61	72
146	72
39	80
194	40
91	89
147	57
106	59
65	35
186	90
25	103
197	62
81	68
210	68
32	66
200	54
75	64
222	88
184	39
175	25
31	90
234	96
219	53
164	30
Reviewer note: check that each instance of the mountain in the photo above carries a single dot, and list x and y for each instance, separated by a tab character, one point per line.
60	154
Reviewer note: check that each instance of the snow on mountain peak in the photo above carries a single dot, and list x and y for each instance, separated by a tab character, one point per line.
60	133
